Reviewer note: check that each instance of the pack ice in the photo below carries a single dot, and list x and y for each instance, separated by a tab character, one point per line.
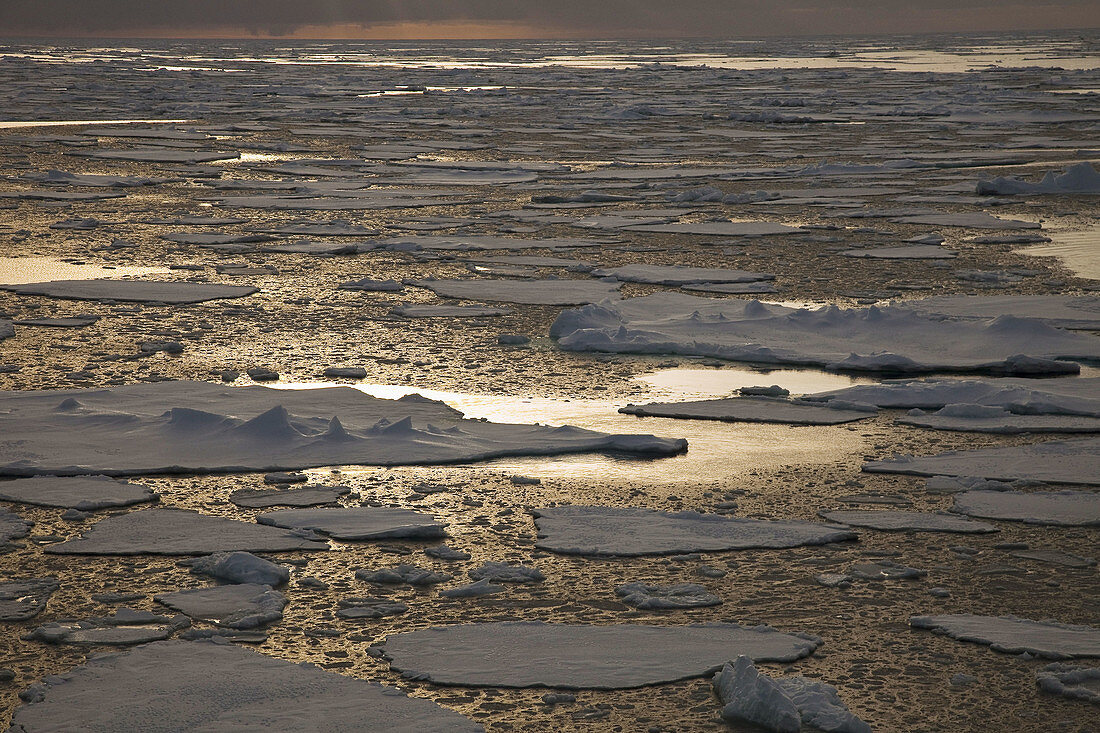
595	530
867	339
198	427
572	656
176	685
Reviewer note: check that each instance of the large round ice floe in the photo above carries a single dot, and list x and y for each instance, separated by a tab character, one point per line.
1016	635
198	427
860	339
596	530
203	686
571	656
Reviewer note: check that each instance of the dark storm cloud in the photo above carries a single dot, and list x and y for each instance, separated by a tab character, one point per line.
580	17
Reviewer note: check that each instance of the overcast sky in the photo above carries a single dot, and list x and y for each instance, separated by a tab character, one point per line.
532	18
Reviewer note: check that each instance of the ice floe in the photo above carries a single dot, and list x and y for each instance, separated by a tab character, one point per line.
868	339
358	523
975	220
173	427
502	572
402	575
179	532
241	567
594	530
1068	462
1067	508
1012	635
750	409
1067	680
302	497
678	275
682	595
13	527
534	292
907	521
136	291
1080	178
176	685
237	606
1064	311
569	656
22	599
123	628
913	252
85	493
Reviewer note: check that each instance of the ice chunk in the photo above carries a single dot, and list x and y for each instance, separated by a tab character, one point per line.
123	628
1080	178
587	530
305	496
173	686
24	599
473	590
357	523
569	656
1067	680
179	532
1066	508
534	292
748	409
371	608
402	574
241	567
140	291
677	275
13	527
241	606
751	697
907	521
682	595
443	552
1013	635
502	572
85	493
1068	462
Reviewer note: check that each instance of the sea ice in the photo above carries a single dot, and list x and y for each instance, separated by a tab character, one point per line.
241	567
85	493
1066	508
239	606
1066	462
134	291
893	521
502	572
175	685
1067	680
358	523
473	590
914	252
174	427
682	595
13	527
24	599
449	311
570	656
976	220
587	530
179	532
402	575
1080	178
125	627
757	699
360	608
1064	311
533	292
677	275
749	409
718	228
1013	635
302	497
479	242
869	339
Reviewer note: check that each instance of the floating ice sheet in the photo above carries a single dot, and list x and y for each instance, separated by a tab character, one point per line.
1077	179
749	409
977	220
479	242
983	419
1013	635
198	427
915	252
535	654
179	532
13	527
1067	462
176	685
85	493
865	339
358	523
583	530
139	291
907	521
1064	311
1068	508
676	275
534	292
449	311
305	496
24	599
719	228
237	606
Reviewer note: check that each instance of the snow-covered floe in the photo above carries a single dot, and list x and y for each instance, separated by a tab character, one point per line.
750	409
1068	462
137	291
236	606
174	427
868	339
783	704
651	597
594	530
678	275
21	599
570	656
84	493
1077	179
179	532
983	419
1013	635
907	521
1080	312
241	567
533	292
1067	508
176	685
358	523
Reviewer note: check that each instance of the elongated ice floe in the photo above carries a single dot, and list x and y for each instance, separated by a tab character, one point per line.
907	521
572	656
678	275
595	530
1068	462
864	339
533	292
84	493
139	291
237	606
358	523
750	409
198	427
177	685
1013	635
1080	312
1066	508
